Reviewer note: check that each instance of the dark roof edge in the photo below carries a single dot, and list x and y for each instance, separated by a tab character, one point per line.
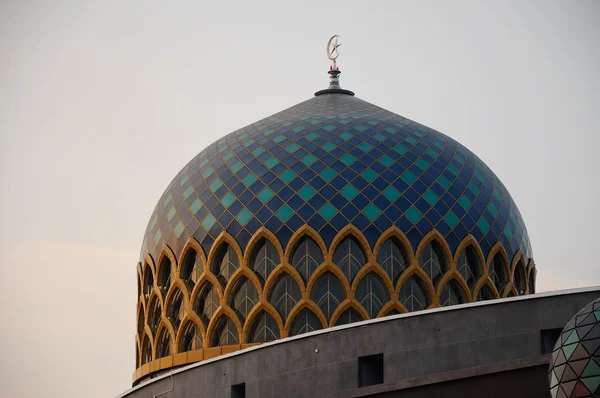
334	91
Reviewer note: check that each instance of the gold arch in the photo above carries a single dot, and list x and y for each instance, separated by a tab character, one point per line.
148	265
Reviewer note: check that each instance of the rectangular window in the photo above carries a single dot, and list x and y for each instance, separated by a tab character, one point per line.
370	370
238	391
548	338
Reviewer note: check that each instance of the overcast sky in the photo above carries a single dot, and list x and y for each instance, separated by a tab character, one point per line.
102	103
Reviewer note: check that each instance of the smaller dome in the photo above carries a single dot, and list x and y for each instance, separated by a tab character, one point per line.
575	368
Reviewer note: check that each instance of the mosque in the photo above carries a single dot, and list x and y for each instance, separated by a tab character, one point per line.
338	249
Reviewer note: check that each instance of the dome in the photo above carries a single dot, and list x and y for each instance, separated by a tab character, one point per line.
332	211
575	368
332	161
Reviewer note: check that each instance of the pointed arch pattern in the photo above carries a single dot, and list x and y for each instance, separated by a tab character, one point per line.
225	298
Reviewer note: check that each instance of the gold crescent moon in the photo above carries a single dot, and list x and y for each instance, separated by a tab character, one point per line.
334	48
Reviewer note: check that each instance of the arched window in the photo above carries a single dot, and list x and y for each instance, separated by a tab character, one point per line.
497	272
372	294
207	302
306	321
148	281
137	357
306	257
243	298
393	311
263	328
154	314
531	281
191	338
191	269
519	278
433	261
469	266
413	294
485	293
164	276
146	351
393	258
225	264
452	294
349	258
140	325
225	333
348	316
139	286
264	259
328	293
284	295
176	309
165	345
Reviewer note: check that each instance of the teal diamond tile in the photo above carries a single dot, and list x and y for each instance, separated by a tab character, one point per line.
453	169
266	194
408	177
483	225
329	128
365	147
328	146
171	213
297	129
443	181
279	138
369	175
207	173
400	149
328	174
391	130
284	213
208	222
430	197
258	151
178	230
228	199
271	162
451	219
196	206
371	212
361	128
328	211
391	193
414	215
346	136
493	210
379	137
422	164
244	216
249	179
508	233
157	237
348	159
292	148
312	136
432	153
287	176
216	185
309	160
349	192
237	166
386	161
307	192
474	188
188	192
464	202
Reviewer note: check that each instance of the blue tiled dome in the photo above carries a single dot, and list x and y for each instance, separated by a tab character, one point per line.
331	161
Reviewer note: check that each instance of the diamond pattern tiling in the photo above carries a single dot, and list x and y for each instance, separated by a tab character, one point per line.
330	161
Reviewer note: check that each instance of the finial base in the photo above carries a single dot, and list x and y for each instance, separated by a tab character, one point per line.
334	91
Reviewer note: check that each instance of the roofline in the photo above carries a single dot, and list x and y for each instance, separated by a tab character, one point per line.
332	329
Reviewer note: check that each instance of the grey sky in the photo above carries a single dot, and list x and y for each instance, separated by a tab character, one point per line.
102	103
